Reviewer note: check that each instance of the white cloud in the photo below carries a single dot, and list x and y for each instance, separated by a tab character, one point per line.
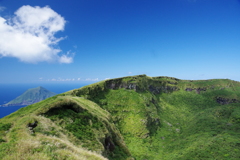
65	59
90	79
29	35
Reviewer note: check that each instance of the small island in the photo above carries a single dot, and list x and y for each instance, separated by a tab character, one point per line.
30	96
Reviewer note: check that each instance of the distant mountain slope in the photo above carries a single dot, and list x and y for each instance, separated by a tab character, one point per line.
129	118
31	96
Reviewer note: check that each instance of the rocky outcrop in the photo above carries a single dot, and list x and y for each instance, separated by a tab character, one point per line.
133	86
189	89
224	101
117	84
160	89
198	90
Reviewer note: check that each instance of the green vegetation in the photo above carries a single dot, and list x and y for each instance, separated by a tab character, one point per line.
135	117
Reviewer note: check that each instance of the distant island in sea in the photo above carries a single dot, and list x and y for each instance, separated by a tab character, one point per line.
30	96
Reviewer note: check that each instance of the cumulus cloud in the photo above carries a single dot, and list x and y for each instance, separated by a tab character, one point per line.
65	59
30	35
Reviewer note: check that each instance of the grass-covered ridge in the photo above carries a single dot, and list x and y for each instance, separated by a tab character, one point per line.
137	117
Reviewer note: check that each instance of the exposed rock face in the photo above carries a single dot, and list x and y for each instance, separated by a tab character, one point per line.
139	83
189	89
198	90
133	86
224	101
117	84
159	89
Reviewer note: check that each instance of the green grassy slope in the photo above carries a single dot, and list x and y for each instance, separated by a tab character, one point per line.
67	128
135	117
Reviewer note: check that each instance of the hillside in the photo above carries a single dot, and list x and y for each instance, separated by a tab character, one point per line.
31	96
137	117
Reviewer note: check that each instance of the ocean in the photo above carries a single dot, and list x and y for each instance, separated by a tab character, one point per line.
9	92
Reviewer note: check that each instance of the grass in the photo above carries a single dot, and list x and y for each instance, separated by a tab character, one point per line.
184	117
50	140
158	119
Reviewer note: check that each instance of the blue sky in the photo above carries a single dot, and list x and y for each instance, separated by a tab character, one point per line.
90	40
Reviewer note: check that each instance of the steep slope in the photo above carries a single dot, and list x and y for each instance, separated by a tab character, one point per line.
61	127
31	96
168	118
137	117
